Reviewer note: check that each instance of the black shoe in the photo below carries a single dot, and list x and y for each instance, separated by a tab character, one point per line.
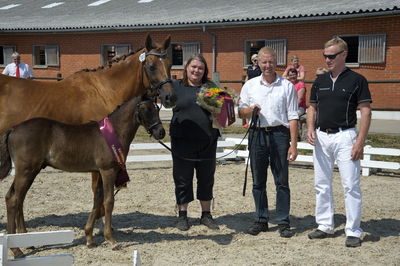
284	231
207	220
353	242
183	223
317	234
257	227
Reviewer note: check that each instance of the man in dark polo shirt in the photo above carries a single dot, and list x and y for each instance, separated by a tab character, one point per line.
331	119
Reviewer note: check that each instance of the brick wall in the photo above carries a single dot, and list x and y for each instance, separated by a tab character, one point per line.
82	50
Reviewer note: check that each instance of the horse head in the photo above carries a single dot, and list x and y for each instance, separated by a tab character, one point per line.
147	114
157	67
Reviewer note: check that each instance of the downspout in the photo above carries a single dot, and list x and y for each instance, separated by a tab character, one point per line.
215	75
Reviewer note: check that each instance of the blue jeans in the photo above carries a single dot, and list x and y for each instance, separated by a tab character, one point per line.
270	148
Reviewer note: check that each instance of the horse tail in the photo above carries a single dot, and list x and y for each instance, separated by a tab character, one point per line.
5	159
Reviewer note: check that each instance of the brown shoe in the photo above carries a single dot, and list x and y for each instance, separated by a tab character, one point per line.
207	220
182	223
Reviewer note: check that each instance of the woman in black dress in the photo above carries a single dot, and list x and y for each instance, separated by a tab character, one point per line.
193	138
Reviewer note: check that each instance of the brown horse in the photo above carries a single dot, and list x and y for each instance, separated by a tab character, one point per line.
40	142
88	95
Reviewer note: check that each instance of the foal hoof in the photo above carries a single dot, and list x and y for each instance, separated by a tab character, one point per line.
117	247
91	245
19	254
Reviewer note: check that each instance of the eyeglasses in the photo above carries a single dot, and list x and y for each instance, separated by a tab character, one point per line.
332	56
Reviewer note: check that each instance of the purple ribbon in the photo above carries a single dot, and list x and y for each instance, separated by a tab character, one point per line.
227	115
116	149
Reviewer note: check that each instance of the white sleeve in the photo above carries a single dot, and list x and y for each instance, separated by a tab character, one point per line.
292	103
6	71
244	99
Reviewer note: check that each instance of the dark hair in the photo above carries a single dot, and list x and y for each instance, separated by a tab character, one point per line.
200	58
292	70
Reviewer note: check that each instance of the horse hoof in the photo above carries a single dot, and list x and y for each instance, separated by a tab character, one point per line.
117	247
19	254
91	245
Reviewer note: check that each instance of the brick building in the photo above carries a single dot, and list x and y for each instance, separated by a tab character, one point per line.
64	37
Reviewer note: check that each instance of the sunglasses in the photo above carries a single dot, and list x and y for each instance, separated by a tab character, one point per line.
332	56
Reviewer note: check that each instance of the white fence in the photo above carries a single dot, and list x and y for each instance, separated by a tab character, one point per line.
36	239
367	162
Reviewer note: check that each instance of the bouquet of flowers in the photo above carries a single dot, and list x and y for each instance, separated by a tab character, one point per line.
220	103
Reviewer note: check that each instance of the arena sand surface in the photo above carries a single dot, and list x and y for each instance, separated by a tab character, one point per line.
144	219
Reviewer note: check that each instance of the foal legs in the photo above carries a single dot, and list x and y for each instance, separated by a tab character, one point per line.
14	202
97	206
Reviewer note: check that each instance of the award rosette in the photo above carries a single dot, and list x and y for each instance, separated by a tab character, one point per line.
220	103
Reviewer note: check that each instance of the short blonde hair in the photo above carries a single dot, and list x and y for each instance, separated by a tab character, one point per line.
267	50
337	41
295	56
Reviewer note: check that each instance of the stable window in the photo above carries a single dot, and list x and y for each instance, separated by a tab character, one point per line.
253	46
180	52
365	49
108	52
45	55
5	54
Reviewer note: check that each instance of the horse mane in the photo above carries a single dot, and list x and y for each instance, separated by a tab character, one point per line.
116	59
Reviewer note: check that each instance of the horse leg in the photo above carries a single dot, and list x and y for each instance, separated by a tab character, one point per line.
20	210
14	201
95	184
108	177
97	204
11	203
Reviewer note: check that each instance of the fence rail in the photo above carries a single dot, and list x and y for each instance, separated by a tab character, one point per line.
36	239
226	151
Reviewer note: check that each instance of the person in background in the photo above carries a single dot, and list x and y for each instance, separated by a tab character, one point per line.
273	140
17	68
331	120
300	89
252	71
193	138
301	71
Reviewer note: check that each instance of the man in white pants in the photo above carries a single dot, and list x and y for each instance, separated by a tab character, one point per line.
331	119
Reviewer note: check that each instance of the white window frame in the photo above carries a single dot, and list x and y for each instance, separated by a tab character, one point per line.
7	56
47	47
367	43
279	45
104	60
188	48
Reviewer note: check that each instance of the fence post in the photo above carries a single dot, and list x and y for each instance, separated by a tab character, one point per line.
367	157
3	249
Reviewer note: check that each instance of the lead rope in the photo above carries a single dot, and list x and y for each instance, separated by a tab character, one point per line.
254	121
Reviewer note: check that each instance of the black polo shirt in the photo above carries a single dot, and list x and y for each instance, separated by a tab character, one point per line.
337	102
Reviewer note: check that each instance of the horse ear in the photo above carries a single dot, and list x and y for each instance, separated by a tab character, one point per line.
167	42
149	43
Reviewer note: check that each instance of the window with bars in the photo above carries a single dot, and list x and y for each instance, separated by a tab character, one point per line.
180	52
279	45
111	50
5	54
45	55
366	49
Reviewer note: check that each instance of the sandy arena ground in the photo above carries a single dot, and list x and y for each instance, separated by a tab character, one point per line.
144	219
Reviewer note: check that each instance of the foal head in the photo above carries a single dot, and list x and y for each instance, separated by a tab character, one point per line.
147	114
157	67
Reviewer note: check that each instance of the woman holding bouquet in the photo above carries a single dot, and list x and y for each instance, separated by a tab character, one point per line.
193	138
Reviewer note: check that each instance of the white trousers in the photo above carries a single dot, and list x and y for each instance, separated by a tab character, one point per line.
328	149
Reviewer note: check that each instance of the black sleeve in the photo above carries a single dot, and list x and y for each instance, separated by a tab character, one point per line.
313	92
363	94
